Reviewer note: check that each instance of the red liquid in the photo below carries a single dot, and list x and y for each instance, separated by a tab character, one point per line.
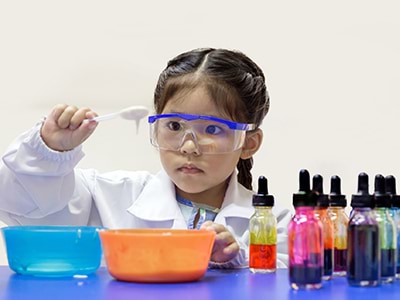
262	256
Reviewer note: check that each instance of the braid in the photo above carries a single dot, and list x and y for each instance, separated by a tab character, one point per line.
244	167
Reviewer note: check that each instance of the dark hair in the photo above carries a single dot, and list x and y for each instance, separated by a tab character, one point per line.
233	80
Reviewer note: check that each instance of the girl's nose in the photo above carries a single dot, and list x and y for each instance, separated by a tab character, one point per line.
189	145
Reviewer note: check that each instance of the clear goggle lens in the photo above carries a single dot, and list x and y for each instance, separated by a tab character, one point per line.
209	134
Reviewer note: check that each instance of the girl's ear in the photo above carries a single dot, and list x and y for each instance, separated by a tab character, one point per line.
252	143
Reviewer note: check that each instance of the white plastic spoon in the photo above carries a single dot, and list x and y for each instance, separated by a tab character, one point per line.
134	113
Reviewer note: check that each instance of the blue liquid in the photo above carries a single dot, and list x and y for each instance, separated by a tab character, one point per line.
388	264
53	251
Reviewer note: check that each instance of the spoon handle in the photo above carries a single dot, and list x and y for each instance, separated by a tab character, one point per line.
104	117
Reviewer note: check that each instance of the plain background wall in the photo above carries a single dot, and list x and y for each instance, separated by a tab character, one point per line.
332	71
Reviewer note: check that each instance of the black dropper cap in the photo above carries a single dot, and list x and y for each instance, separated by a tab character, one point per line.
390	184
363	198
336	198
262	198
381	198
318	189
304	197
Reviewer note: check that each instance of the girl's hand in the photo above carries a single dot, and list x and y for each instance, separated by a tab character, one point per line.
225	246
63	128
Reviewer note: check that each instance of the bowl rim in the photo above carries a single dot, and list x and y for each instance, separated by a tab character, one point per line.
51	228
159	232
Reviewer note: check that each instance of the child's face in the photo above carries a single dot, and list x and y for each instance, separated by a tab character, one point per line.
193	172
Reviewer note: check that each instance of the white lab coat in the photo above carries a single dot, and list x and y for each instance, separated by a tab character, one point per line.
42	186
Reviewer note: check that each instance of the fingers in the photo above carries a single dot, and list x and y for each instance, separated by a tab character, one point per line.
72	117
209	225
64	128
225	245
78	117
224	237
57	111
232	248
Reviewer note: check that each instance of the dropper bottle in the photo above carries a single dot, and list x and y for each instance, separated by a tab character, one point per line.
305	242
363	248
387	231
321	212
262	227
390	183
340	221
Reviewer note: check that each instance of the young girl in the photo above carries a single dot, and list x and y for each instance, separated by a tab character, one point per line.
209	104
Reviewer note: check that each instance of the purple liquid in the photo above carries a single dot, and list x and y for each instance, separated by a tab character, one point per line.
398	254
305	275
340	260
363	254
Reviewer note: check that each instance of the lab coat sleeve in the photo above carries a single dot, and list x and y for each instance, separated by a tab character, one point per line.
36	181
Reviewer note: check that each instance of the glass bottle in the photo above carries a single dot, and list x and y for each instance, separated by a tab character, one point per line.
262	226
340	221
363	247
321	212
390	183
305	242
387	231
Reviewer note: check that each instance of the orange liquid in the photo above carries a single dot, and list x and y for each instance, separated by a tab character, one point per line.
262	256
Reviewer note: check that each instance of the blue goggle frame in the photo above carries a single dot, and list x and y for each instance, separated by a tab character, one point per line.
188	117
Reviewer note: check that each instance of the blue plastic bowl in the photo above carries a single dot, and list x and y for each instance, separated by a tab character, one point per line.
53	250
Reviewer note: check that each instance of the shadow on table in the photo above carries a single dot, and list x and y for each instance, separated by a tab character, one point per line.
21	287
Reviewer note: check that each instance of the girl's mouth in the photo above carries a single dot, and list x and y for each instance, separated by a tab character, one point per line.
189	169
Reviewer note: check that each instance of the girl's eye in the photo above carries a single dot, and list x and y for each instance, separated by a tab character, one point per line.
213	129
173	125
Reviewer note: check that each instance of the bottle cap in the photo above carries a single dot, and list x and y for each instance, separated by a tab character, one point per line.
335	196
363	198
304	197
318	189
262	198
390	185
381	198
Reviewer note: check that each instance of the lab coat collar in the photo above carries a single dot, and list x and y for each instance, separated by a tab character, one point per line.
158	202
237	201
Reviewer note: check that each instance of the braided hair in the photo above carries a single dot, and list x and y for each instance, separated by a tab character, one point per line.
234	81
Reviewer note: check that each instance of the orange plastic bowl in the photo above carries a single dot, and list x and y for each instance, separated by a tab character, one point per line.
157	255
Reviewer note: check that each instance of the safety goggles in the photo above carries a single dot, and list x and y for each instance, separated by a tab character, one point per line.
209	134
